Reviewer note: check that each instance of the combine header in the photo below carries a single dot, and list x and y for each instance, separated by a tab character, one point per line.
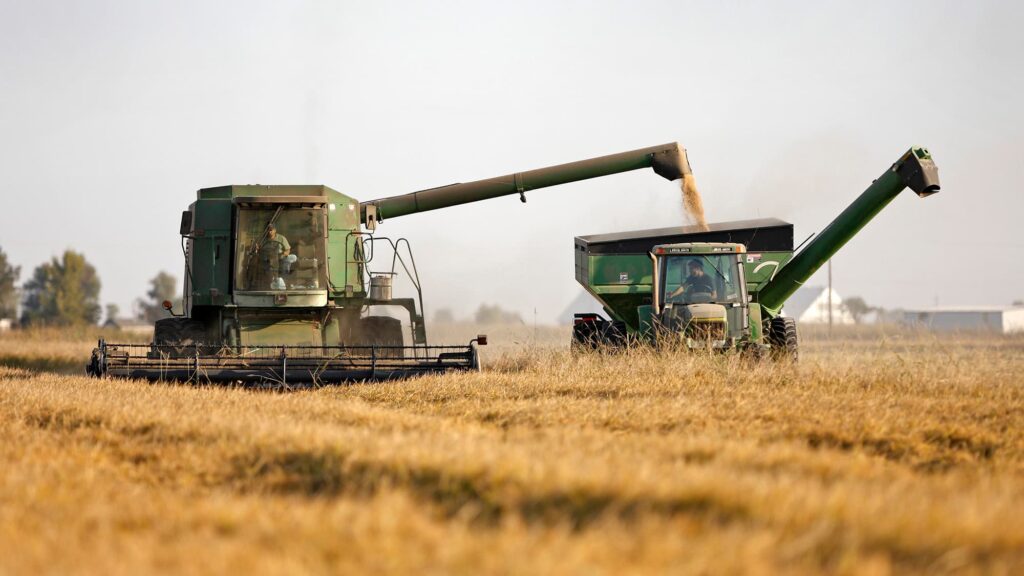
287	284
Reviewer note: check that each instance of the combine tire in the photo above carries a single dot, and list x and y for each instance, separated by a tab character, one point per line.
179	336
382	331
783	338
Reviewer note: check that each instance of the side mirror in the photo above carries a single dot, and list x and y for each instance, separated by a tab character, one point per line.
481	340
186	223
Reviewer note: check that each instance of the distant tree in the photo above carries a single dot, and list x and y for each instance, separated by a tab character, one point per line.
895	316
1018	303
444	316
162	287
857	308
8	287
488	314
63	292
113	311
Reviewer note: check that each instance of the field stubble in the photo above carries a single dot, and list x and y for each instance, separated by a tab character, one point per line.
879	452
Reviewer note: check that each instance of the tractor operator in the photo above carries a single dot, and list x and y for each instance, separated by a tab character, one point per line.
697	282
285	249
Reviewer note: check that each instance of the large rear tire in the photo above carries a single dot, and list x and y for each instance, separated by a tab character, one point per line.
782	336
180	336
598	334
382	331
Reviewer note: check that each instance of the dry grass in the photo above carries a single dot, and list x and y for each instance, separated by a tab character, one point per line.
880	452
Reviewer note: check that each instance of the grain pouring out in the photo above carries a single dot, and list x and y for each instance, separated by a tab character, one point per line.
693	205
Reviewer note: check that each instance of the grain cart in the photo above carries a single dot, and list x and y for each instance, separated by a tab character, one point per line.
286	284
724	287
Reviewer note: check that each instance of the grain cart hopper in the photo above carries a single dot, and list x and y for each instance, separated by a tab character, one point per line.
724	287
284	284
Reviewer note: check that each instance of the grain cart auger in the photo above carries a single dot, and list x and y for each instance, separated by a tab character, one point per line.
721	288
284	284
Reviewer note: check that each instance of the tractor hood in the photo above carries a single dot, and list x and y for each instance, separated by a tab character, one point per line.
698	325
704	312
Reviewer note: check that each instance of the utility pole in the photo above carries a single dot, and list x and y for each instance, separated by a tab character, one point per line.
829	296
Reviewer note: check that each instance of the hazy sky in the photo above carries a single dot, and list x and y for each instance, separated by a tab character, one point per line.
112	115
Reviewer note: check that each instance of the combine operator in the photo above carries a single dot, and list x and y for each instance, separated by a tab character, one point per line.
279	256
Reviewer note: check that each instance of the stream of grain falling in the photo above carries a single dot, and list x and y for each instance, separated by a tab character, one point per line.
692	203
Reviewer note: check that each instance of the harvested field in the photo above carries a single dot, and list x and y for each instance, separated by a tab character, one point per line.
880	452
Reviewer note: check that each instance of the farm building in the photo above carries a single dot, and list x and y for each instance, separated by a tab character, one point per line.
1004	319
809	305
5	324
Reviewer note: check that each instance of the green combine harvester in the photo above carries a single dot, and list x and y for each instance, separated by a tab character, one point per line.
724	287
290	285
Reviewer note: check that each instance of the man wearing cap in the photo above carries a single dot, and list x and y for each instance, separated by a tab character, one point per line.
284	248
697	282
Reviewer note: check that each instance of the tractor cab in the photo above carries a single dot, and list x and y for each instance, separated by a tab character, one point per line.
700	296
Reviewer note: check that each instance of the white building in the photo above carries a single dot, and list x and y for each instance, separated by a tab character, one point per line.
5	324
1004	319
809	305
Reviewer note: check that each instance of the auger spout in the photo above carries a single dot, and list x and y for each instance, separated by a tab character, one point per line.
915	169
668	161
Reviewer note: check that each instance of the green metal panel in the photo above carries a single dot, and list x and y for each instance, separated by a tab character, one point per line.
211	252
620	282
756	335
296	332
620	270
217	193
623	306
645	321
342	221
760	267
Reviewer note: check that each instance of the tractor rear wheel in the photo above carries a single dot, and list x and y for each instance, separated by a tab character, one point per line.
598	334
783	338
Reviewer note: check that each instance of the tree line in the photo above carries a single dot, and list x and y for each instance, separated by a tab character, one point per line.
66	292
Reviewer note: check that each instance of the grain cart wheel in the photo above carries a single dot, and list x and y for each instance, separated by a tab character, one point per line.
614	336
383	331
783	338
598	334
584	336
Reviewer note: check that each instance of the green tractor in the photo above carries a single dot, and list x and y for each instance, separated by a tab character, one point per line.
291	285
723	287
